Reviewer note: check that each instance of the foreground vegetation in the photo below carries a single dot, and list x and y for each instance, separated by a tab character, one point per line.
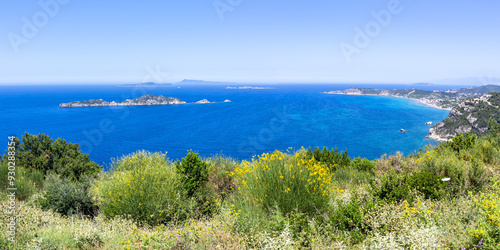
439	197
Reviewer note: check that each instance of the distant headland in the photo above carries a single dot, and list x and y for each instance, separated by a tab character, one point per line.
145	100
146	84
438	99
248	87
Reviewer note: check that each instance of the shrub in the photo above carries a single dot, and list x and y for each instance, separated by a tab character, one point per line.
486	151
488	226
348	216
143	186
331	158
193	171
27	182
461	142
398	187
350	177
68	197
290	182
219	179
363	165
391	187
465	175
430	185
40	152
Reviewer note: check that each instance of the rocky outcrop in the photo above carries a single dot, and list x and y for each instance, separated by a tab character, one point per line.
471	115
204	101
145	100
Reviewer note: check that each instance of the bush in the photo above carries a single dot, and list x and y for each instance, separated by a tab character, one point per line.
40	152
193	171
331	158
68	197
144	186
219	179
348	216
461	142
398	187
486	151
391	187
465	174
488	226
290	182
363	165
27	182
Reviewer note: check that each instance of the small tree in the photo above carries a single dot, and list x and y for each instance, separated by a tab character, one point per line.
462	141
194	172
42	153
493	126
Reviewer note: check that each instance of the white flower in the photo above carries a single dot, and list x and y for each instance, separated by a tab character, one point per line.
446	179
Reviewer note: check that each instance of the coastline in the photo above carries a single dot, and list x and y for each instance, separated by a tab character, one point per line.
420	101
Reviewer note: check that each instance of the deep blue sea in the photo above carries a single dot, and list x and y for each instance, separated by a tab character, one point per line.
255	121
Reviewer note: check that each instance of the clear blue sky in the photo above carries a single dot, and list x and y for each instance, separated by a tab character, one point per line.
257	41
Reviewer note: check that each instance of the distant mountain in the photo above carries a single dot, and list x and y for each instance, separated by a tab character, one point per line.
471	115
197	82
147	84
471	81
423	84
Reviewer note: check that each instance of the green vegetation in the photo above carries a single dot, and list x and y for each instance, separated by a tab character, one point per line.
440	197
193	171
67	197
143	186
41	153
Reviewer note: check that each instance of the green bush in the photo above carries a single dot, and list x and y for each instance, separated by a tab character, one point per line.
430	185
486	150
398	187
349	177
331	158
144	186
466	174
348	216
193	171
461	142
40	152
363	165
68	197
219	179
27	182
392	187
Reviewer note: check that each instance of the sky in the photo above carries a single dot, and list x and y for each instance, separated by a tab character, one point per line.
279	41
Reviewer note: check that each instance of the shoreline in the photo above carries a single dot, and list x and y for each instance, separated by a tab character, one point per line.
420	101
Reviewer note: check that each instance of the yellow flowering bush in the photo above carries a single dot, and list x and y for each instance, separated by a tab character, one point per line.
488	227
289	181
142	185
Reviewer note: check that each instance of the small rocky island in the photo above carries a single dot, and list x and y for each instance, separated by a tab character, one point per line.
439	99
145	100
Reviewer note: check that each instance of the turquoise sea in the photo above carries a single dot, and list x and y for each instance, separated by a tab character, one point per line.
255	121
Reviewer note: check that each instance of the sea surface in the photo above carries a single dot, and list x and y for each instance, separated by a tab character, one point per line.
254	122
